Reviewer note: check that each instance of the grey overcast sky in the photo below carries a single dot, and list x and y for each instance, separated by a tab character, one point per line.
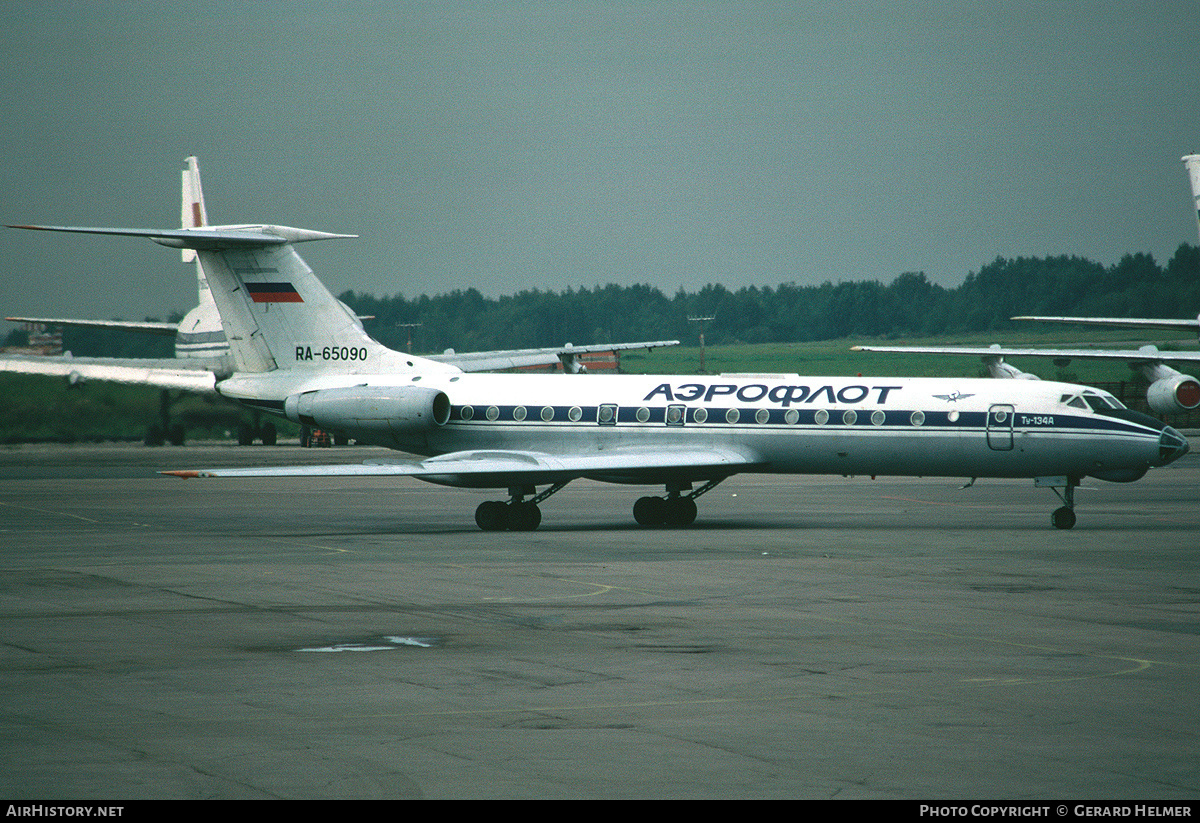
515	145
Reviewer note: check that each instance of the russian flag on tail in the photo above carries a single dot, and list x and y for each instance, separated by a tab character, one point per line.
273	293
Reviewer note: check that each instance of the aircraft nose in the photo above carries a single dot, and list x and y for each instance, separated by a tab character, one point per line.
1171	446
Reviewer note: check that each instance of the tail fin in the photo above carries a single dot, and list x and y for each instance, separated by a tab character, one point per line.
275	313
1192	161
192	215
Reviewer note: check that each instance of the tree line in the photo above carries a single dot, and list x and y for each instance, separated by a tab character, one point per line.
1136	286
910	305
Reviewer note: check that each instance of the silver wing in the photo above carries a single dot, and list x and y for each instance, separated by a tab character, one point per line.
500	468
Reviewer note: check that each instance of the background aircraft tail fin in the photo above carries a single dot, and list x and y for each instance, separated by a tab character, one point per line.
1192	161
192	215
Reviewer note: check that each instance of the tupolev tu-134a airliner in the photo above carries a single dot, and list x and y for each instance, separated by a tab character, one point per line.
299	353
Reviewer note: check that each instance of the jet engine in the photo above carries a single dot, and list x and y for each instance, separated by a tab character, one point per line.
1174	394
385	409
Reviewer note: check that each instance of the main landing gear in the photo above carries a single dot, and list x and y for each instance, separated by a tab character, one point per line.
518	514
521	515
676	509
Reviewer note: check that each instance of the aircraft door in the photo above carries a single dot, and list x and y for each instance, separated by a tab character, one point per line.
1000	427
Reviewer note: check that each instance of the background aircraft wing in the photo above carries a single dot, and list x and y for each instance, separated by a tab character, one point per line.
518	358
1192	325
127	325
499	467
1142	355
191	374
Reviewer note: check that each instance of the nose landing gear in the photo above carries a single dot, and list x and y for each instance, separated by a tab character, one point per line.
1063	517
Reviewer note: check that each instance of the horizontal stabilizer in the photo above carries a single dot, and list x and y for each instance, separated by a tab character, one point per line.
210	238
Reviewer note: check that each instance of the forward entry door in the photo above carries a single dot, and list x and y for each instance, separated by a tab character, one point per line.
1000	427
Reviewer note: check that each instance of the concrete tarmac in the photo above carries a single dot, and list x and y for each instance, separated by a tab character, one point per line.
807	637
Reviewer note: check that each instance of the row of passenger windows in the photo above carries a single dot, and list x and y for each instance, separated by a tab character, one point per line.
676	415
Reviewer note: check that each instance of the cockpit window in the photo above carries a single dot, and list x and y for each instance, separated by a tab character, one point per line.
1102	402
1074	401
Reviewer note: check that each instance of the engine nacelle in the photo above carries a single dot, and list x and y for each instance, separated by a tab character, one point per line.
1173	395
385	409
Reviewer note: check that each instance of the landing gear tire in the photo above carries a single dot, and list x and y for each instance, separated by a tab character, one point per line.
492	516
665	511
680	511
496	516
270	435
523	517
1063	518
650	511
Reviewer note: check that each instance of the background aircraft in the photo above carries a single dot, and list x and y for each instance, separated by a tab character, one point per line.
1170	391
202	350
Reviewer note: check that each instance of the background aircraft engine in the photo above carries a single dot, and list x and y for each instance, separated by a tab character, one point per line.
398	409
1174	394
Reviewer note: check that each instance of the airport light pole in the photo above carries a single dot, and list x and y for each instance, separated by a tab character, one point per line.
410	327
701	321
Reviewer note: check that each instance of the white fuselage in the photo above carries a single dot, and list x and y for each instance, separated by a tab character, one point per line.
790	423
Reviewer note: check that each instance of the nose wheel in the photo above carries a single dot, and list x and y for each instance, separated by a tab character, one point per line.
1063	517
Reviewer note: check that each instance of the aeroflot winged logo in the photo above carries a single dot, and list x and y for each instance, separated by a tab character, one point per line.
953	396
273	293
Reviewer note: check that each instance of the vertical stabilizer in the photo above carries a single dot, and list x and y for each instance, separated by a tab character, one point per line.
192	214
1192	161
278	315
